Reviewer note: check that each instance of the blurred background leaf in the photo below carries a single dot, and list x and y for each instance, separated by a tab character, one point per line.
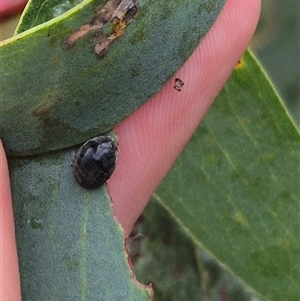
235	187
165	255
277	46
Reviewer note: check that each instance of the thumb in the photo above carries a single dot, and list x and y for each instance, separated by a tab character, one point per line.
151	139
9	270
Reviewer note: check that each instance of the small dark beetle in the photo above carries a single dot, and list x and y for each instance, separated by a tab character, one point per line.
95	162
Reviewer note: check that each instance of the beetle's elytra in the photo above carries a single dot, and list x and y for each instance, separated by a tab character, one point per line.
95	162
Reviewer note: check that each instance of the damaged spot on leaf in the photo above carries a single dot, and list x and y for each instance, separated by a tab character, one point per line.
239	64
118	13
49	101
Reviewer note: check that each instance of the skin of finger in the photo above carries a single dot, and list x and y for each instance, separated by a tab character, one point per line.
9	270
151	139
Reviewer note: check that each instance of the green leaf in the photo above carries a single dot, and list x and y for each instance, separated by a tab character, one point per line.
41	11
59	90
166	256
70	246
237	185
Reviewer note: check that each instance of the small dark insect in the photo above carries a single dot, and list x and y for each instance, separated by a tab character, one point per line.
178	84
95	162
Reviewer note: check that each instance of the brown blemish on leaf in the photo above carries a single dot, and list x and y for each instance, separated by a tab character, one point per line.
116	12
239	64
41	111
102	46
71	39
44	108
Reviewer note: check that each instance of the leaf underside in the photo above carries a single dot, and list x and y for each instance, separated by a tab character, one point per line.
70	246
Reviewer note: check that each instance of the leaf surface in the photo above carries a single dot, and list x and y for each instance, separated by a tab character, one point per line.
235	188
79	74
70	246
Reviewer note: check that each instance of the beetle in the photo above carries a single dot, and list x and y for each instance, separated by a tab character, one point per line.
95	162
